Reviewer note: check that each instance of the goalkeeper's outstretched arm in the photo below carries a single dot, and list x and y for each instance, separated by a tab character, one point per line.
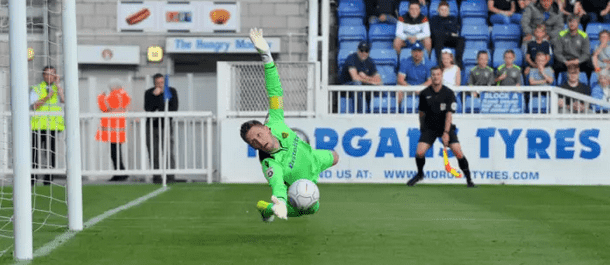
272	78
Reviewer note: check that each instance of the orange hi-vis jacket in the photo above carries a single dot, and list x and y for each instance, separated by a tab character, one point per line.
112	129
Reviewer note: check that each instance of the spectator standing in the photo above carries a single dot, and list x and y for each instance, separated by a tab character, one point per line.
572	48
509	74
601	56
112	128
543	12
446	32
411	28
359	69
47	96
155	127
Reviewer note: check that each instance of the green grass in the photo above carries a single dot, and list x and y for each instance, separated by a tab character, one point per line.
356	224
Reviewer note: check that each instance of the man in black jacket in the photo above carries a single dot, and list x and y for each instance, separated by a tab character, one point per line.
446	33
154	101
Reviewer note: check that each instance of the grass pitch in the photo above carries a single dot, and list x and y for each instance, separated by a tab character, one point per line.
356	224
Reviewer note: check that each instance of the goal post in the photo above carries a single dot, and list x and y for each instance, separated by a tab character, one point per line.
73	159
22	192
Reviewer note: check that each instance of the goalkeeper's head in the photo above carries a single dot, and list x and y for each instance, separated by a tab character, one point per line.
258	136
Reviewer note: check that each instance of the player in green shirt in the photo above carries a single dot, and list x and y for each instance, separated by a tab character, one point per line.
287	158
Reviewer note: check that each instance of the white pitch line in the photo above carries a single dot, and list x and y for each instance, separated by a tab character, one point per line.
63	238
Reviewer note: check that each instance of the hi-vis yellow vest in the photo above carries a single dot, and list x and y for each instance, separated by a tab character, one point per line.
47	122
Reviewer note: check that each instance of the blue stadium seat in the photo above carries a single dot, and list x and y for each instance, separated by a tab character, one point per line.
403	8
387	73
479	45
472	105
598	93
498	57
538	104
384	57
382	32
351	33
384	103
475	33
409	104
506	45
466	74
593	30
506	32
470	56
351	21
593	44
594	80
383	45
453	8
563	77
346	105
351	8
474	21
349	45
473	9
342	56
458	102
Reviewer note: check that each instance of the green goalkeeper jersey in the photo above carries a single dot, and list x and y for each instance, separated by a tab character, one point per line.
295	158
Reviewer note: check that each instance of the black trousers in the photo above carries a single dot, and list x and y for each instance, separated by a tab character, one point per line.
117	156
154	142
449	41
44	141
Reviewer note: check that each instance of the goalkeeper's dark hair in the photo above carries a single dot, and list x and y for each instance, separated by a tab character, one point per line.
245	127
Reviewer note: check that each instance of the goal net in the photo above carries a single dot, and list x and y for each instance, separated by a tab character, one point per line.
49	207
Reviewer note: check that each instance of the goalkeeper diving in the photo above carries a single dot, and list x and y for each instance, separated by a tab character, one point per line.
285	158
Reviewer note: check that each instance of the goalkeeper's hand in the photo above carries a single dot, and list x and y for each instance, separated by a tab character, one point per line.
279	208
256	36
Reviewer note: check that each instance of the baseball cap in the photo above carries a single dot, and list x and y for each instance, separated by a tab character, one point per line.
417	46
364	46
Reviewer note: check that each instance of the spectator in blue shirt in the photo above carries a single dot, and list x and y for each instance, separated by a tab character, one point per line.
413	70
446	33
359	69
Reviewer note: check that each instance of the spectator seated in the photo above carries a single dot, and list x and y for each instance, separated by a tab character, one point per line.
498	57
563	77
453	8
403	8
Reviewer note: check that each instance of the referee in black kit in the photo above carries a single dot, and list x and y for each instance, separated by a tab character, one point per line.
436	107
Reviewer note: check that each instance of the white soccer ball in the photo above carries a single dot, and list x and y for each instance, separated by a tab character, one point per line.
303	194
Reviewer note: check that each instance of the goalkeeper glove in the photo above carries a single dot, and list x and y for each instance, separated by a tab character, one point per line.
279	208
256	36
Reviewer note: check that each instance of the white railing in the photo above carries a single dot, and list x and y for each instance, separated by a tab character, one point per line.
536	101
192	136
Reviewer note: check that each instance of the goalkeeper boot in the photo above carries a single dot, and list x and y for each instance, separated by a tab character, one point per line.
267	215
415	179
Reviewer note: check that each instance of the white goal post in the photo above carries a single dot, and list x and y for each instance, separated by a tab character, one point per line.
20	116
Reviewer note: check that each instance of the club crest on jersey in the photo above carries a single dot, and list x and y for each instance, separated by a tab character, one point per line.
284	135
454	106
443	106
269	172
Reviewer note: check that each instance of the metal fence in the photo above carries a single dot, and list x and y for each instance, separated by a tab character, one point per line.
535	101
192	135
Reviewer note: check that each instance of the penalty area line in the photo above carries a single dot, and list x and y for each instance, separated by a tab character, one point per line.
63	238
